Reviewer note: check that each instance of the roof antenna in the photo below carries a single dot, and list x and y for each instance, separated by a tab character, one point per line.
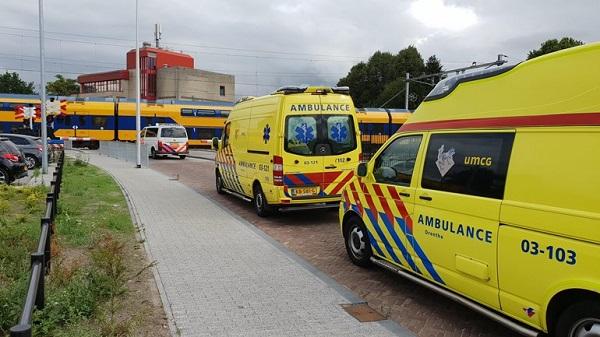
157	34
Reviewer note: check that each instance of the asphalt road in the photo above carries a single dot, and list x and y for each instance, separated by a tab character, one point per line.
315	236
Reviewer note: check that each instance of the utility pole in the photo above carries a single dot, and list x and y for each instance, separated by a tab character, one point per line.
406	90
43	92
137	90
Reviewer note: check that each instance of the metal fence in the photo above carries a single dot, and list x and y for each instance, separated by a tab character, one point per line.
40	259
124	151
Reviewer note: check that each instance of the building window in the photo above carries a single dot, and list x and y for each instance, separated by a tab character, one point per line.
101	86
222	90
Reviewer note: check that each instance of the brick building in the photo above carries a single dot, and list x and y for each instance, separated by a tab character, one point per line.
164	74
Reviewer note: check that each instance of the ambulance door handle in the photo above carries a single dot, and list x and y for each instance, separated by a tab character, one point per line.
404	194
296	161
330	167
424	197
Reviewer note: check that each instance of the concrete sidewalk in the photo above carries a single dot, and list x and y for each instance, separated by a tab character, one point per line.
220	276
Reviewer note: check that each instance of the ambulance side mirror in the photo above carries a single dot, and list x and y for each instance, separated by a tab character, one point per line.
361	170
215	143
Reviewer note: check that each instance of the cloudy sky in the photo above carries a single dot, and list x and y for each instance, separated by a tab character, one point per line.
267	44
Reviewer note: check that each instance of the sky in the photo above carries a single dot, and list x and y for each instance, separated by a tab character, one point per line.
269	44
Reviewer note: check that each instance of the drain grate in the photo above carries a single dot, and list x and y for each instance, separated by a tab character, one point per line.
363	312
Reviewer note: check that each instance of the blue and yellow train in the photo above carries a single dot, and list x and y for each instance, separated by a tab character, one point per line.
89	120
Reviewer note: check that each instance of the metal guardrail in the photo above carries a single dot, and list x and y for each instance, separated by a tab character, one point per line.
40	259
126	151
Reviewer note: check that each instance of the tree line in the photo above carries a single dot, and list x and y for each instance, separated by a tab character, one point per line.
381	79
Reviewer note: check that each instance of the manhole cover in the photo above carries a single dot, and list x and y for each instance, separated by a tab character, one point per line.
363	312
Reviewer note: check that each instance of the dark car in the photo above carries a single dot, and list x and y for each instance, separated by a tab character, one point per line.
12	163
30	145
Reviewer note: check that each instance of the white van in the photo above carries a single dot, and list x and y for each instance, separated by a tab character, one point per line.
166	139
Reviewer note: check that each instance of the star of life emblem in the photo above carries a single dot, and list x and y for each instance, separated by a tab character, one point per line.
445	160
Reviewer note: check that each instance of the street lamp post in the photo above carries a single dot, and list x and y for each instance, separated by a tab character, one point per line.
137	89
43	92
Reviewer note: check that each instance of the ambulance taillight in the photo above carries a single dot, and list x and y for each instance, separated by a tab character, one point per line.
277	171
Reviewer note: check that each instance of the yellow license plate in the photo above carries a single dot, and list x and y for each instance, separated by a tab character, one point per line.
174	144
304	191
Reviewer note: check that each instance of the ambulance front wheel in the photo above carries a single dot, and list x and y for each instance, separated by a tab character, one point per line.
261	206
357	242
581	319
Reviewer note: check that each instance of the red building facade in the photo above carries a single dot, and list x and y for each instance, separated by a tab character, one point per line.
151	59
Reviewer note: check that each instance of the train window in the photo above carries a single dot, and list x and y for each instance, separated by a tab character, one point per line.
8	106
222	90
99	122
80	121
197	112
224	113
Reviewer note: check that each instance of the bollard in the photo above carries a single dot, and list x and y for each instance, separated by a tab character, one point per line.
21	330
39	296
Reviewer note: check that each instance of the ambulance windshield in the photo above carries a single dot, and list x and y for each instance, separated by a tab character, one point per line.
304	132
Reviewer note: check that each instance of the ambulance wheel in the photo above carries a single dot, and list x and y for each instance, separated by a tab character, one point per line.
261	206
153	153
357	242
219	183
581	319
181	156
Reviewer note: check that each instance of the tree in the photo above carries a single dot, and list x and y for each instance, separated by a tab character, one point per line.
62	86
11	83
381	79
553	45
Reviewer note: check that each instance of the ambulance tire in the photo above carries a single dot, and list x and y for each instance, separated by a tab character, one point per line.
357	242
219	183
153	153
182	156
581	319
261	206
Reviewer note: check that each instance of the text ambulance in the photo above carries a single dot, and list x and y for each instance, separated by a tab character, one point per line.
490	194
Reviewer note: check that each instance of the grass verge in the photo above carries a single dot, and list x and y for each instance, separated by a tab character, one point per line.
99	284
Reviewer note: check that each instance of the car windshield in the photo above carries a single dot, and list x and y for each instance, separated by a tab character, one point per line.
173	133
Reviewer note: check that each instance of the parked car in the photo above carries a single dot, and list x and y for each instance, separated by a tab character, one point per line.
30	145
12	162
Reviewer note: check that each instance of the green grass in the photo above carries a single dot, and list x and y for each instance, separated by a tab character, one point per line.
91	203
89	272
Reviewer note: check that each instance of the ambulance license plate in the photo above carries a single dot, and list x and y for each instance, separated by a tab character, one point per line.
304	191
174	144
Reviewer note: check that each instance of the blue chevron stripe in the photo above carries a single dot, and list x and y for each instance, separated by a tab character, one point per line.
399	244
304	179
419	251
375	245
386	243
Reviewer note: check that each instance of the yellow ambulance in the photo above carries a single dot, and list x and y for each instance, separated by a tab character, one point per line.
490	194
293	149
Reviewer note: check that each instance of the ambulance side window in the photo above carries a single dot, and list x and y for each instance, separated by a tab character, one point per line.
226	134
468	163
396	163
